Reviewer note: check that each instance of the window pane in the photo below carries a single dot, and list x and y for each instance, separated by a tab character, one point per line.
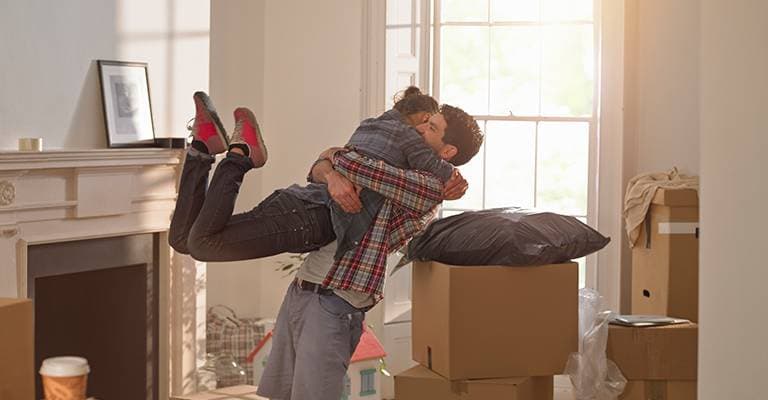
567	10
400	11
402	48
514	10
563	154
473	173
515	70
403	12
510	164
400	42
464	68
567	70
367	384
464	10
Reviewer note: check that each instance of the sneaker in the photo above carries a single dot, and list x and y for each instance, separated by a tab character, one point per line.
207	127
248	134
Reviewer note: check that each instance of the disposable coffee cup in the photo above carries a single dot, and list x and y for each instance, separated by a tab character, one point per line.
65	378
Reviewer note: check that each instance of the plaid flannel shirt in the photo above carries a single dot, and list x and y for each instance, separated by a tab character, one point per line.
411	200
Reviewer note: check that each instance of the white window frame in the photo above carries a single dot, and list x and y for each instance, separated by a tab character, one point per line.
606	162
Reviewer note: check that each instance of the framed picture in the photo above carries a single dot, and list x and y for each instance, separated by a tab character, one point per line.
127	105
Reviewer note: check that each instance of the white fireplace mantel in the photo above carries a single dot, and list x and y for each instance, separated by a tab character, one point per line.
56	196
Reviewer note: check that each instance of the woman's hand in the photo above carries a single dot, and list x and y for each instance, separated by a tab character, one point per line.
456	186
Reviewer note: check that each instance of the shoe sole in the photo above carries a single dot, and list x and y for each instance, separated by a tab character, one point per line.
255	124
214	116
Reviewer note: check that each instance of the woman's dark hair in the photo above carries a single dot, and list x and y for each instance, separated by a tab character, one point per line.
411	101
463	132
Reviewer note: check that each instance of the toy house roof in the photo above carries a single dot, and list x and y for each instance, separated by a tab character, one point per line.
368	348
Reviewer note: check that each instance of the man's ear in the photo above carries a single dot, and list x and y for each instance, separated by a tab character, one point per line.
448	152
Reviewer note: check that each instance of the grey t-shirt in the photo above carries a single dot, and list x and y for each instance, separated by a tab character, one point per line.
316	267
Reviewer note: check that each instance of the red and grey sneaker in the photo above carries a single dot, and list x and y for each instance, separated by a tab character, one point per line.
247	134
207	127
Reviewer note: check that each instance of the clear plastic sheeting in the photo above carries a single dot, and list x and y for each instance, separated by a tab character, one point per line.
593	375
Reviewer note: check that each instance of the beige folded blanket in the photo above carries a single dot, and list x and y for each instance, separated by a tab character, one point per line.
640	192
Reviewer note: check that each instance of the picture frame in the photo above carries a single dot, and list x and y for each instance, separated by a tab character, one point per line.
126	104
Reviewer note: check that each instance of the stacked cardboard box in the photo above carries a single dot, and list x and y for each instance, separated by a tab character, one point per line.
419	383
17	358
665	259
488	331
660	363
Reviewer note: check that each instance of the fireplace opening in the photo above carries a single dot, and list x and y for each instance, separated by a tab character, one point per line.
98	299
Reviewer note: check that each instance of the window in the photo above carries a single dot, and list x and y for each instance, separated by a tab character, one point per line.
368	382
404	47
526	70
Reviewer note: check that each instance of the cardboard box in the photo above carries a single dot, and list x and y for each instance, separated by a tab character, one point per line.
665	263
659	390
240	392
419	383
17	355
493	322
655	353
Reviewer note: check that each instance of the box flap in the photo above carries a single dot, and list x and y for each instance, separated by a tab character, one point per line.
421	383
676	197
419	372
499	381
431	328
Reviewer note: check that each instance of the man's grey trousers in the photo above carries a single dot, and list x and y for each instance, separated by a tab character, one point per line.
312	343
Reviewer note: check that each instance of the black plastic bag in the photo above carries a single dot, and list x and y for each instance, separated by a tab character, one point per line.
506	236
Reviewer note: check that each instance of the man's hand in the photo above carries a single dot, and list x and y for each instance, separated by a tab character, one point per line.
455	187
344	192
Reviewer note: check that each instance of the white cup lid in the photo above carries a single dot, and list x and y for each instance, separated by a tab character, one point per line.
64	366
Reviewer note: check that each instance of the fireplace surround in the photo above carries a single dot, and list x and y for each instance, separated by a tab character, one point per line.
55	197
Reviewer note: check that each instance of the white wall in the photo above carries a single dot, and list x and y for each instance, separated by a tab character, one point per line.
49	82
661	96
237	79
310	54
733	357
662	84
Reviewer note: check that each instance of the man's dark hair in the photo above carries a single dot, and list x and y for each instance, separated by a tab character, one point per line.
462	132
411	101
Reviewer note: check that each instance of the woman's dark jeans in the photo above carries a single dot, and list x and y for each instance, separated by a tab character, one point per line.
204	227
